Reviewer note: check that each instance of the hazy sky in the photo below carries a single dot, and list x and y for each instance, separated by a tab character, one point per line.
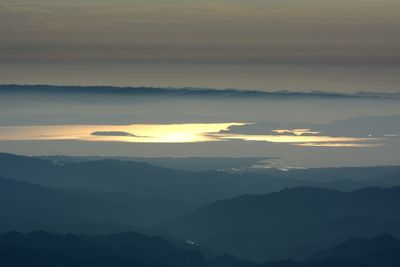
265	44
298	45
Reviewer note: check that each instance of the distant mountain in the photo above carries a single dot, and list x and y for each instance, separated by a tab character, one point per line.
372	251
183	92
145	180
179	163
25	206
379	251
139	179
291	223
148	194
371	174
119	250
389	179
342	178
344	184
151	194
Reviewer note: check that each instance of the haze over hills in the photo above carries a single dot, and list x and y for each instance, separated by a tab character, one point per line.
133	194
28	207
375	175
180	163
145	180
112	195
139	179
112	192
144	195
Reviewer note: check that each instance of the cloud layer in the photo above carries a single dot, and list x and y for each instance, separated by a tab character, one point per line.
331	43
184	133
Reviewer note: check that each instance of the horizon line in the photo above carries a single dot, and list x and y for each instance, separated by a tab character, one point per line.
187	91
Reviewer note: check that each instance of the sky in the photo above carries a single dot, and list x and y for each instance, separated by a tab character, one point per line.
341	46
187	67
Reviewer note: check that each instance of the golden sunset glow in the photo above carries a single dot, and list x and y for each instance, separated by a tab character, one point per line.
138	133
174	133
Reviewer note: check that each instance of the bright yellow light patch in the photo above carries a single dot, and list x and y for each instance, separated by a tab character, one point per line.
173	133
138	133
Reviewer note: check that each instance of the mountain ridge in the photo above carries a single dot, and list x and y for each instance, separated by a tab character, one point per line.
168	91
293	222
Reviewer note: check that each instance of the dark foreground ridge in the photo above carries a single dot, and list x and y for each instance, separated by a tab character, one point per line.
294	222
133	249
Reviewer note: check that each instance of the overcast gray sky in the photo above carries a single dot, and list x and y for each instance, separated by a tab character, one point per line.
254	44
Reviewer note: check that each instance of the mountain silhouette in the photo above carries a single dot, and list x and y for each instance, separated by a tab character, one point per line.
139	179
25	206
121	250
130	249
382	250
292	223
192	187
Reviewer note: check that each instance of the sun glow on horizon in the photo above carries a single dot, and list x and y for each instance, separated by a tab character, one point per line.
177	133
137	133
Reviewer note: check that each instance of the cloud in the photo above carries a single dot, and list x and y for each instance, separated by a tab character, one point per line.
376	126
357	127
338	145
144	133
297	132
299	139
114	133
369	131
200	132
178	133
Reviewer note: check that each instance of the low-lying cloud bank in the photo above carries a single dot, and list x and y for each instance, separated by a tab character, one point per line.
185	133
114	133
